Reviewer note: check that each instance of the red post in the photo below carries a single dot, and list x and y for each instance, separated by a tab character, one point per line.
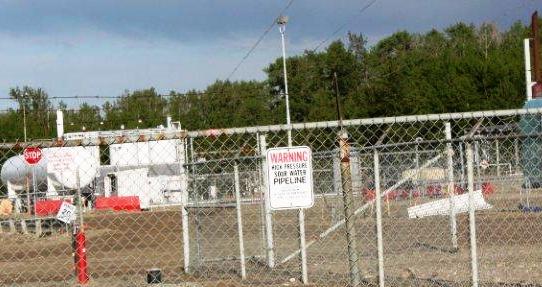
81	267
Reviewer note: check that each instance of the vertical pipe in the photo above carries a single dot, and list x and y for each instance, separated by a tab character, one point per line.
268	215
59	124
286	94
472	222
498	158
355	279
239	221
303	247
380	244
451	186
184	214
301	213
196	198
262	200
528	78
81	265
186	235
80	239
24	120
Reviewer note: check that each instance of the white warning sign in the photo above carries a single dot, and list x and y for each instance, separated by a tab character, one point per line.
66	213
289	174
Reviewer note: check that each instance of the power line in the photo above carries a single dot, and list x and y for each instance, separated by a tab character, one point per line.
344	25
174	95
259	40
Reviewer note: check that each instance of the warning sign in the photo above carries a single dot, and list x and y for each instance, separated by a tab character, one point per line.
60	160
289	174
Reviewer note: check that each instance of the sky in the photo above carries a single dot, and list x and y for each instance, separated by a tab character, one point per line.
104	47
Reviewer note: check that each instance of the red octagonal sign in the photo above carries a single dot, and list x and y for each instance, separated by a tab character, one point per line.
32	155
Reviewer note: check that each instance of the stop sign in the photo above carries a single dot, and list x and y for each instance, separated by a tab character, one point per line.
32	155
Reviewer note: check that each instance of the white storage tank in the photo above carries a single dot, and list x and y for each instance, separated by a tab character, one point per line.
60	165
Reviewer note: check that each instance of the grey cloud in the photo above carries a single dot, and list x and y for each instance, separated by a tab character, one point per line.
204	21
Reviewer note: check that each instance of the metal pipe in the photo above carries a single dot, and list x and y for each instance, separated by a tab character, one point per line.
303	247
268	214
261	199
301	214
24	121
184	215
282	29
451	185
372	121
196	198
380	244
472	221
239	222
346	180
59	124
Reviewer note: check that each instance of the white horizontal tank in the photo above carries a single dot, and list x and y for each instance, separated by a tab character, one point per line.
61	165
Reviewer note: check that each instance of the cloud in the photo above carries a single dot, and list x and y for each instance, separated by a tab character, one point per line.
101	47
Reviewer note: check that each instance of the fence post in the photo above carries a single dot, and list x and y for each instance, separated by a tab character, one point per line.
346	179
380	244
301	220
196	199
303	246
268	215
261	189
472	222
451	186
184	213
239	221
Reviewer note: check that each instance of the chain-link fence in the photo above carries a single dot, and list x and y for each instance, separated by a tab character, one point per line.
432	200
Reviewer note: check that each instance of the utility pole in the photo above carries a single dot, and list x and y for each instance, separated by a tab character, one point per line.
348	201
282	21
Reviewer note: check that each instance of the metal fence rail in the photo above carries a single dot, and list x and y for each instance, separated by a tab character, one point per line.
429	200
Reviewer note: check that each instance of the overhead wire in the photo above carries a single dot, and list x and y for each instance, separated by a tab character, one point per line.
360	12
262	36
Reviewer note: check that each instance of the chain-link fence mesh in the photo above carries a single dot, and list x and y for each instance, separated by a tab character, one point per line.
392	206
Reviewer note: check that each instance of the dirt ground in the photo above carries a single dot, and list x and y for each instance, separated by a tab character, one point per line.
417	252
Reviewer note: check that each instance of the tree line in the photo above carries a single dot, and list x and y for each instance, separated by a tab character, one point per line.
462	68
